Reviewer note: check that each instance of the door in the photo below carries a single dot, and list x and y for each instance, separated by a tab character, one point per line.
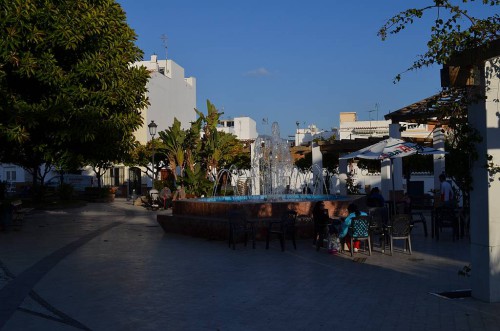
134	175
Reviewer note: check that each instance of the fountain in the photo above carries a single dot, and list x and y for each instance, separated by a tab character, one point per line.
272	186
271	164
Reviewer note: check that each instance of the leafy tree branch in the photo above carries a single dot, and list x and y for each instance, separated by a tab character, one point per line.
454	30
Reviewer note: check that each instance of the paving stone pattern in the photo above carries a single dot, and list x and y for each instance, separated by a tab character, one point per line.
111	267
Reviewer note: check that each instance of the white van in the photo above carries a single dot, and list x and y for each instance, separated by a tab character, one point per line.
79	182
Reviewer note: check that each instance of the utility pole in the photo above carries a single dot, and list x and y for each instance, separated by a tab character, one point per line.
164	40
370	114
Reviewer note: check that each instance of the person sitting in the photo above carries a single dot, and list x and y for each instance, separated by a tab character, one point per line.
375	199
153	196
321	220
166	197
179	194
353	211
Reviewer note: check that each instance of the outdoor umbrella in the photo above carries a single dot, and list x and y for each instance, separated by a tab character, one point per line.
391	148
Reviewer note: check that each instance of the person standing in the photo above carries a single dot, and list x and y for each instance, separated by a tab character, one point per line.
446	191
321	220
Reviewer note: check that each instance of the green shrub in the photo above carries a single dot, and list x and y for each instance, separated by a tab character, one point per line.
99	192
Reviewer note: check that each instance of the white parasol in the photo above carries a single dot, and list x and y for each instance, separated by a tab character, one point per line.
391	148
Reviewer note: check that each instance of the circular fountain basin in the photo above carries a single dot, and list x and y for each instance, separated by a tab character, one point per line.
261	206
271	198
207	217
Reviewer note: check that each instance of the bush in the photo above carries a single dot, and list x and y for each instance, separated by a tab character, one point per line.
99	193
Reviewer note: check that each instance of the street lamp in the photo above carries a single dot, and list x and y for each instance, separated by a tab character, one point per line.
152	132
297	136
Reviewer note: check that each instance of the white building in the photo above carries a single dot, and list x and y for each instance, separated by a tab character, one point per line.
351	128
13	175
244	128
306	135
171	95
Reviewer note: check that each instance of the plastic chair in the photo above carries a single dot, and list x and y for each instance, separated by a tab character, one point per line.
416	216
360	230
400	228
445	217
283	227
239	225
379	219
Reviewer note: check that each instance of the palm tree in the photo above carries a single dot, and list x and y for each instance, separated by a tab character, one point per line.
174	139
193	144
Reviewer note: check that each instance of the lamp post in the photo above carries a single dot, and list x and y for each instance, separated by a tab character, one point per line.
297	136
152	131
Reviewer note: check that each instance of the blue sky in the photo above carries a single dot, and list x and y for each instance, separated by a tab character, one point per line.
289	61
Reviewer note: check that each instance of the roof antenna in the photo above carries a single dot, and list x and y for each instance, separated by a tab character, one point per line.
164	39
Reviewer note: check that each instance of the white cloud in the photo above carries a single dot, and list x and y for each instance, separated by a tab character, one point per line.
258	72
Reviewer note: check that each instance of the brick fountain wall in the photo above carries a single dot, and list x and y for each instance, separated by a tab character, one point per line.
198	218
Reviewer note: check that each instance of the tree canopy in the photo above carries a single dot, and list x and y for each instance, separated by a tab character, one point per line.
68	93
454	30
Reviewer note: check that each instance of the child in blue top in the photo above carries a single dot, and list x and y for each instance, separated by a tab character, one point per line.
353	212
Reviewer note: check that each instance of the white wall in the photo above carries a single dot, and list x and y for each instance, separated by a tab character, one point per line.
11	173
171	95
304	136
364	178
244	128
485	209
365	129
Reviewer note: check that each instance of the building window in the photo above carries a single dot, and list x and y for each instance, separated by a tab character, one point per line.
114	177
10	175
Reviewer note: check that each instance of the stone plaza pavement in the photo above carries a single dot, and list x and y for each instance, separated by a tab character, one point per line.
111	267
